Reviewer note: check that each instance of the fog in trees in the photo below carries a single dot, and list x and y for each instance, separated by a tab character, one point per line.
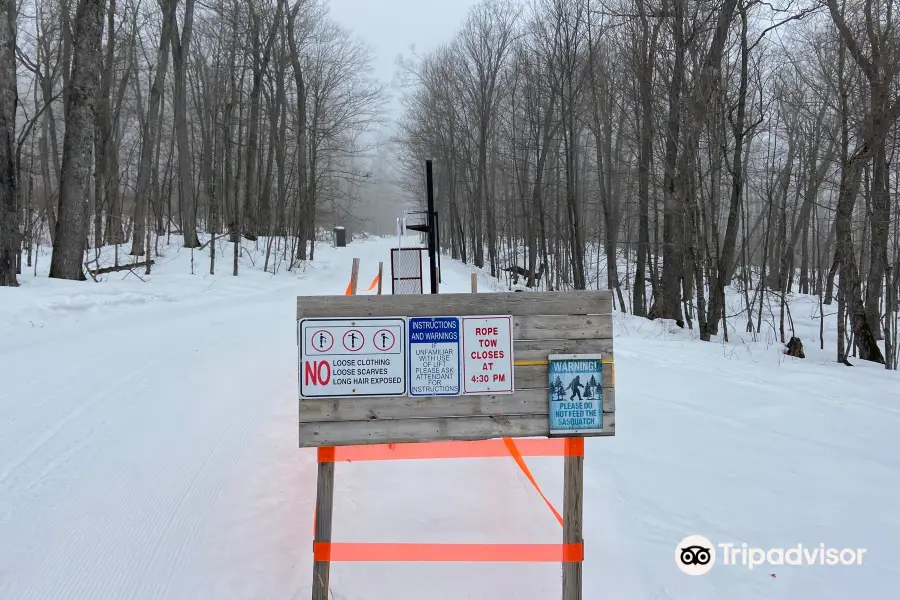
668	149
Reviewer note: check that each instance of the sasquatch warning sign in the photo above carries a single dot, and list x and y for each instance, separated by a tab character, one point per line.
576	398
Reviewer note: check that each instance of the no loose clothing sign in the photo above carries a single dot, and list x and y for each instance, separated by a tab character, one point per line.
352	357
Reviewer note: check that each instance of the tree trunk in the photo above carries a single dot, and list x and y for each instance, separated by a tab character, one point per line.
252	212
667	298
10	250
880	217
149	125
725	263
645	157
849	279
75	180
302	141
185	173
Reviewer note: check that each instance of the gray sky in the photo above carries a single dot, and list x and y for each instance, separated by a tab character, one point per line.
392	26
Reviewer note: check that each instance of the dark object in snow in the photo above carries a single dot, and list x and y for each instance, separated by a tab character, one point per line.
794	348
340	237
518	271
115	269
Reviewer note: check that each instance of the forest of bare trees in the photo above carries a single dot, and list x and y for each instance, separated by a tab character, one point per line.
127	121
699	144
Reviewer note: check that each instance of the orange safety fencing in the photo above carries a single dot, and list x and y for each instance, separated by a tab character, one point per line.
368	289
392	552
417	552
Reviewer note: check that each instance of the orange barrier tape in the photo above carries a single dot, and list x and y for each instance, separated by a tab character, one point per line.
398	552
429	450
368	289
327	453
517	456
391	552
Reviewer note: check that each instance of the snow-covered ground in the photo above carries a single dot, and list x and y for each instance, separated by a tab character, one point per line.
148	450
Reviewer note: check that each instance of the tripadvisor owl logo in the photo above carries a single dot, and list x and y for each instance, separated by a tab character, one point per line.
695	555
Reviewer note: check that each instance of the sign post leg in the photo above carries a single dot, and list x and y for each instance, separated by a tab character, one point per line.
573	501
380	272
324	511
354	277
325	497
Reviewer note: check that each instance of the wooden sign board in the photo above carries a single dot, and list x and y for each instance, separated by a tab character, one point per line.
508	356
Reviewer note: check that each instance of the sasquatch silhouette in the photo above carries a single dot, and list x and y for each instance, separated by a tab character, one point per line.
575	386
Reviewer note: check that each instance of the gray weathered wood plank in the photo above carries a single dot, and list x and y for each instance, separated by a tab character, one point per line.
590	302
562	327
529	350
524	402
352	433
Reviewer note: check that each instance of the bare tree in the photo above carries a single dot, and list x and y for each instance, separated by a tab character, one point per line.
675	139
484	46
879	68
180	47
75	180
9	226
148	125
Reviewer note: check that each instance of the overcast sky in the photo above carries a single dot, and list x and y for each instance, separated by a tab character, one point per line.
392	26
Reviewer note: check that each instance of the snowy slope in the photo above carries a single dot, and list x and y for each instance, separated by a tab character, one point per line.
148	450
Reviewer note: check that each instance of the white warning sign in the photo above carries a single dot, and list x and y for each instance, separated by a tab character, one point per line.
487	355
352	357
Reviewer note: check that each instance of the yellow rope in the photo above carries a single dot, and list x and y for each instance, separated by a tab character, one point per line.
542	363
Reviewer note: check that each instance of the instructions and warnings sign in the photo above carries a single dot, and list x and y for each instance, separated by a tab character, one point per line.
576	395
352	357
434	348
487	355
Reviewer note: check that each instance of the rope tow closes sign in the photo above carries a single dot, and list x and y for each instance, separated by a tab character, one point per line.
487	355
352	357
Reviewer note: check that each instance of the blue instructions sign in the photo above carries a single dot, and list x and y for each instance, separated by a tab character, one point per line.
434	354
576	395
